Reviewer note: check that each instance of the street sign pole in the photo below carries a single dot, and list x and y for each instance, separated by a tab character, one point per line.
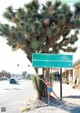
61	83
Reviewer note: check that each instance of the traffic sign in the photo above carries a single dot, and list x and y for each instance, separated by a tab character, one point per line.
69	1
52	60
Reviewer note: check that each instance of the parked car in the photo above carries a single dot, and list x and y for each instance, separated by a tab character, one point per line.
13	81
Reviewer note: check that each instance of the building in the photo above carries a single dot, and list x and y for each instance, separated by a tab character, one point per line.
76	71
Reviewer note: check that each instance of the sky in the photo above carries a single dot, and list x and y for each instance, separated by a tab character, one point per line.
8	58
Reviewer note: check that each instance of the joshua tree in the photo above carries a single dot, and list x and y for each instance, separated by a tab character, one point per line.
42	28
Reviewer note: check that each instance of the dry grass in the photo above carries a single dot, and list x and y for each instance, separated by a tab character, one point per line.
76	86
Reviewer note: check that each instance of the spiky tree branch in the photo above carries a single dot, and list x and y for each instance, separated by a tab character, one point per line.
38	28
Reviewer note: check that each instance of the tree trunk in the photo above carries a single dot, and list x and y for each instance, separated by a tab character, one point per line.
42	86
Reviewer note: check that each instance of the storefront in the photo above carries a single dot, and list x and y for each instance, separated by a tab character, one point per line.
76	72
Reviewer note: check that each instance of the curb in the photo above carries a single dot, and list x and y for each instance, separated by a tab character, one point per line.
27	102
23	108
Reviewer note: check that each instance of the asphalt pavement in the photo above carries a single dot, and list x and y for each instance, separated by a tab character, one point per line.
13	96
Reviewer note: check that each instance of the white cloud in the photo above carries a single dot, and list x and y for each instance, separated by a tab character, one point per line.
9	59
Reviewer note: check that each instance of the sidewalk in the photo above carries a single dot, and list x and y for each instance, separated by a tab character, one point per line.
70	102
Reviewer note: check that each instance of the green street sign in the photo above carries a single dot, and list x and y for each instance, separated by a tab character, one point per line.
52	60
68	1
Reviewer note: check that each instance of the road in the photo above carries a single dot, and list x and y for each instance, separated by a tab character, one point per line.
12	97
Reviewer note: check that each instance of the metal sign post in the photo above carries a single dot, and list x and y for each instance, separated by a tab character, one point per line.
61	83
